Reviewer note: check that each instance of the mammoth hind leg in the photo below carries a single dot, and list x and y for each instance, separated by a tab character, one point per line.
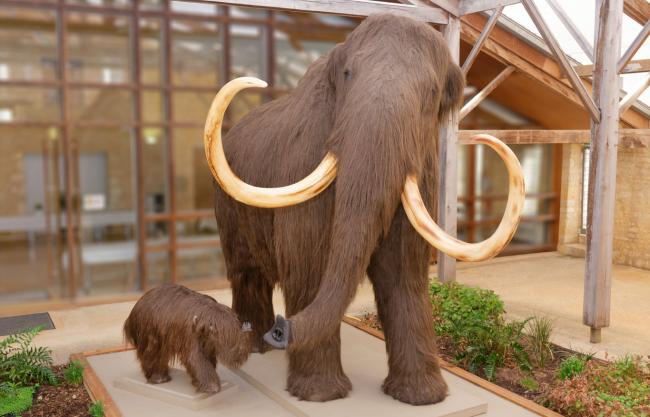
252	300
398	271
201	368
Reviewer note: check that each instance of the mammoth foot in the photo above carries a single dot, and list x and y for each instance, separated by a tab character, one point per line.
280	334
319	388
209	388
417	389
159	378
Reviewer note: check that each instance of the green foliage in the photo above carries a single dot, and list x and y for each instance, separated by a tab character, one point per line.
15	400
572	366
24	364
74	373
473	318
529	383
96	409
620	389
538	339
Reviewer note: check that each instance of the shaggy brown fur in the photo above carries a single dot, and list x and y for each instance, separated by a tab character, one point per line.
172	322
375	102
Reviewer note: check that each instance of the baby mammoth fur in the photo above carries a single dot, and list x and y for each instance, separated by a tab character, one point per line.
173	322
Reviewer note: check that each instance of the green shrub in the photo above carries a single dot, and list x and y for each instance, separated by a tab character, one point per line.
74	373
572	366
529	383
15	400
473	319
24	364
96	409
538	336
620	389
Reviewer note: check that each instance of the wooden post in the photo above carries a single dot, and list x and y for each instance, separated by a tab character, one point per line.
447	163
602	173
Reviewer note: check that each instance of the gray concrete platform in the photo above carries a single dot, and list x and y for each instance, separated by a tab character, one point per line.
261	389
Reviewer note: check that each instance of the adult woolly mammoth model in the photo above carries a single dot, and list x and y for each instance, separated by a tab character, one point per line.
356	143
173	322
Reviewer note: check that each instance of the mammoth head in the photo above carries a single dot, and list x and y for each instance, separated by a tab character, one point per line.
392	77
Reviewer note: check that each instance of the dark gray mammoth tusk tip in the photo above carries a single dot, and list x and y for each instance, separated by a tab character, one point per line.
279	335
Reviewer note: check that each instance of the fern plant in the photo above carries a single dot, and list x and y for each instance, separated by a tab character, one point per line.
24	364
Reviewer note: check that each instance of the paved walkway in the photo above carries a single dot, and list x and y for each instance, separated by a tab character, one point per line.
551	284
546	284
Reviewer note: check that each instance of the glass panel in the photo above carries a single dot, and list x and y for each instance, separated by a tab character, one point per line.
32	222
107	207
194	8
151	51
248	51
192	106
243	103
152	106
193	181
101	104
196	53
28	46
239	12
111	3
29	104
154	164
492	185
98	48
157	268
201	263
151	4
294	54
202	229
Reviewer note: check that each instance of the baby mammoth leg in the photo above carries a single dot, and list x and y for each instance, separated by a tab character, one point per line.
155	367
201	368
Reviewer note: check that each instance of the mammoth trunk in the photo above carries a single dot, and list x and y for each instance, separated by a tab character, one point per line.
374	156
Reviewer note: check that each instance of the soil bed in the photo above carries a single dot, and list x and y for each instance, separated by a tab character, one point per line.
62	400
508	377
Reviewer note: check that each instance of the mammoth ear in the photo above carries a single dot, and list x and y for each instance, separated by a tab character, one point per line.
334	65
452	93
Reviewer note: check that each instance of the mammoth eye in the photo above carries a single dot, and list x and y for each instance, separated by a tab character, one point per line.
347	74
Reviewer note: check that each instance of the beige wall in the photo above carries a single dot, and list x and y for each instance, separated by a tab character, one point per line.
632	214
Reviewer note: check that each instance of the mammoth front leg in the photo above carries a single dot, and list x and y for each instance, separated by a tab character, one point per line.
315	372
398	272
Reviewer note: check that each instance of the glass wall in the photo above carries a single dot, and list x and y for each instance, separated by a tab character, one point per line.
105	189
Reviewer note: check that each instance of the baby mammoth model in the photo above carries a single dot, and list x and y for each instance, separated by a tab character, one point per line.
173	322
335	181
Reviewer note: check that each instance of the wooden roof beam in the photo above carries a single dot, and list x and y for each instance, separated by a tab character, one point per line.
639	10
633	95
629	138
474	6
632	67
485	33
481	95
552	43
573	30
360	8
634	47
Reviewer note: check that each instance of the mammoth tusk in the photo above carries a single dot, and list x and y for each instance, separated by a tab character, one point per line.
422	222
296	193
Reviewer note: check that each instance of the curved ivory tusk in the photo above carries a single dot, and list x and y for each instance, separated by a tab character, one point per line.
422	222
301	191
